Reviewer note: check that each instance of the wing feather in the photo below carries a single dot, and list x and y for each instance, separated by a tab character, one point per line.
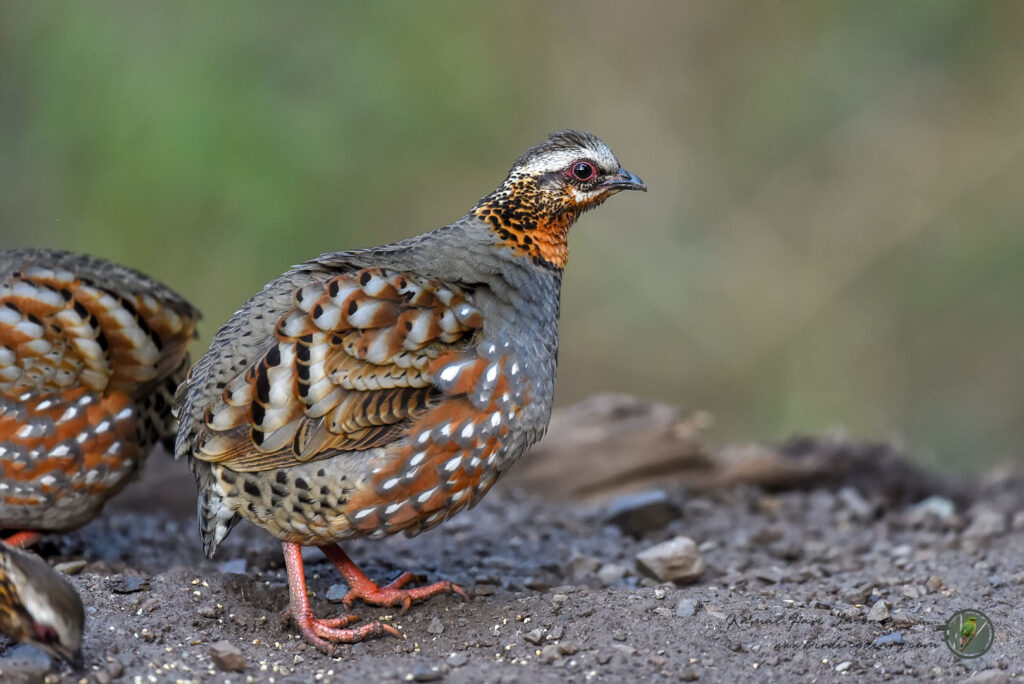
348	368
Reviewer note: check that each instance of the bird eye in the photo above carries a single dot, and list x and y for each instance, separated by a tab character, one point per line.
583	171
45	633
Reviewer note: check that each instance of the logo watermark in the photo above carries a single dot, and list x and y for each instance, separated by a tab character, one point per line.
969	633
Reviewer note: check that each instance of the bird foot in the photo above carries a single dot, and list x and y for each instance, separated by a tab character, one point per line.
393	595
322	633
325	633
23	539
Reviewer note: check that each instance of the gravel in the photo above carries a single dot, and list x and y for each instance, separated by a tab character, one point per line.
795	584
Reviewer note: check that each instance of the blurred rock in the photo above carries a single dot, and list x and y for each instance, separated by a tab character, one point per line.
984	523
879	612
227	657
891	639
676	560
642	513
933	506
610	444
24	664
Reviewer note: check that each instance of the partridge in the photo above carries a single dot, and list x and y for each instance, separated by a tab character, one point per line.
90	355
38	606
384	390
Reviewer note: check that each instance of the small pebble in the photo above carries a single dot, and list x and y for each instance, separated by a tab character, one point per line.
336	593
642	513
426	673
985	523
534	636
890	639
435	626
550	654
937	506
610	573
686	608
70	568
457	659
676	560
879	612
211	610
129	584
843	666
227	657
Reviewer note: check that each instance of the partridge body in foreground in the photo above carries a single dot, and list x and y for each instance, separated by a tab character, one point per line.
38	606
381	390
90	355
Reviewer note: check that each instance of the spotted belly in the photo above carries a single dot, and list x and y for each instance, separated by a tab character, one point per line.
62	455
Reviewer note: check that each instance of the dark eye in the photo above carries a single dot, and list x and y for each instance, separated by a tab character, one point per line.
583	171
45	633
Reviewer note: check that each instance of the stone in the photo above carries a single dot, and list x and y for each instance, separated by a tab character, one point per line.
24	663
686	608
426	673
550	653
855	503
534	636
610	573
890	639
336	593
984	523
211	610
129	584
642	513
934	506
71	567
676	560
568	647
227	657
457	659
879	612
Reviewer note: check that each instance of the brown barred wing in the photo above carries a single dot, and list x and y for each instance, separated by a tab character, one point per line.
348	369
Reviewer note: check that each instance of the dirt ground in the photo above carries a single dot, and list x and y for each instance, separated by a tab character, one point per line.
800	584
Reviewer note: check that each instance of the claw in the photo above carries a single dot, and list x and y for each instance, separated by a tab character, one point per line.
362	587
323	633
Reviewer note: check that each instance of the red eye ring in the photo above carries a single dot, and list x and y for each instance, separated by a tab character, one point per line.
583	170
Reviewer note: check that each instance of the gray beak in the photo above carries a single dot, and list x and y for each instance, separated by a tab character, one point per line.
624	181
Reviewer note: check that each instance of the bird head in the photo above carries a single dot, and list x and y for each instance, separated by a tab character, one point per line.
39	607
547	189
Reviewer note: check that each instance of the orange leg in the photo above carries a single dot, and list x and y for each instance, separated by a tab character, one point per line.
322	632
362	587
23	539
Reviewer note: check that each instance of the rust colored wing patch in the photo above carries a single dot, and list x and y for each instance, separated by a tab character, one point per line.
349	368
455	450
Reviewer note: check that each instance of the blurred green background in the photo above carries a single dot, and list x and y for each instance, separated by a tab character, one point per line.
832	234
